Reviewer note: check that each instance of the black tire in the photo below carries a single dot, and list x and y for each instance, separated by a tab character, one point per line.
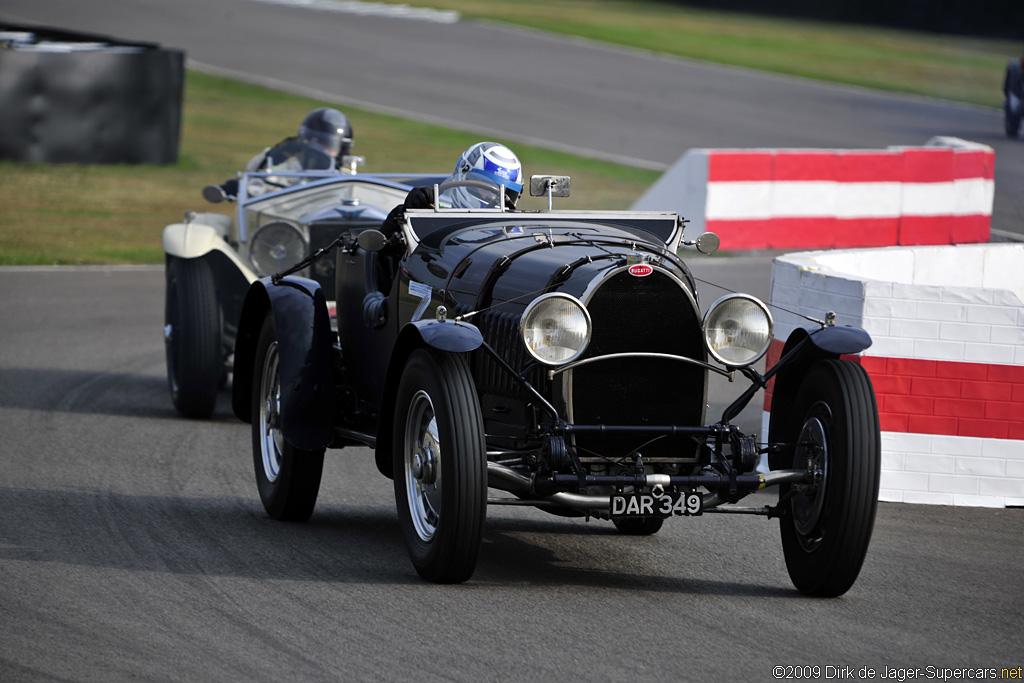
1011	121
288	478
826	526
440	466
638	526
192	334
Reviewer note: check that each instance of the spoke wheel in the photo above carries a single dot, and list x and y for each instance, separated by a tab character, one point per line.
439	465
192	337
288	478
423	476
827	523
812	452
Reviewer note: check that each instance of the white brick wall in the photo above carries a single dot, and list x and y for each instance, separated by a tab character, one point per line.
928	462
926	300
965	332
980	467
1013	336
993	315
965	471
925	498
960	304
937	349
914	329
989	353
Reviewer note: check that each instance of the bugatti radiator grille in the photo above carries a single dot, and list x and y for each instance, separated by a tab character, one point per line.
633	314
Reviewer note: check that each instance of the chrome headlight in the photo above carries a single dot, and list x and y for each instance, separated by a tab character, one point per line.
277	245
738	329
555	328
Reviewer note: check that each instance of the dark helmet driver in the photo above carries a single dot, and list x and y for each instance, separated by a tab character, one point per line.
328	130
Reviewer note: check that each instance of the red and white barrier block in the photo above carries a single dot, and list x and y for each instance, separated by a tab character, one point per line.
941	193
947	362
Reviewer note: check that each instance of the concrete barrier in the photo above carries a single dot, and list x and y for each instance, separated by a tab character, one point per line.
940	193
947	361
79	98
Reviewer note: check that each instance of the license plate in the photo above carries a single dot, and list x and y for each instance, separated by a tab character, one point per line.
648	505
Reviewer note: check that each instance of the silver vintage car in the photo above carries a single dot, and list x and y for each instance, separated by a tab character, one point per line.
282	214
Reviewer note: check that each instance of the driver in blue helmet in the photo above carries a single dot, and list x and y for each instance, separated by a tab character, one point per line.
486	167
491	164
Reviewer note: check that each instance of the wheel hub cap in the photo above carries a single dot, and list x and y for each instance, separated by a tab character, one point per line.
423	466
812	454
272	444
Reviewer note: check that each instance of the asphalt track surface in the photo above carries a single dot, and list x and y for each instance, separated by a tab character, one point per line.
133	545
513	84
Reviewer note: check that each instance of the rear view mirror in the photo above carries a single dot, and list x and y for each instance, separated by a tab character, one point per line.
708	243
214	194
549	185
371	240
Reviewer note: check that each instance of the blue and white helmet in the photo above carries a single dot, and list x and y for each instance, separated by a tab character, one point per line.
492	163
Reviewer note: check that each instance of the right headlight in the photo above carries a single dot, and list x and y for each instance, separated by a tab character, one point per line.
555	328
276	246
738	329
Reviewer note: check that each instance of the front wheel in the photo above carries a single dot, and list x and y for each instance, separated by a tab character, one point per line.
827	523
440	466
192	335
288	478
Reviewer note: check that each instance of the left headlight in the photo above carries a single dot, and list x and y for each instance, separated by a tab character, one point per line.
555	328
738	329
276	246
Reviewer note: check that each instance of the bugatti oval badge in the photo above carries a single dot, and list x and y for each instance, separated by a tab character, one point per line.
640	270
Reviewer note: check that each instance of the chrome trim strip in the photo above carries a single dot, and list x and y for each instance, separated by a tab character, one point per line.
731	374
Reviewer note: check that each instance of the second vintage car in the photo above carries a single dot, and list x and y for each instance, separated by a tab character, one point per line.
556	359
282	213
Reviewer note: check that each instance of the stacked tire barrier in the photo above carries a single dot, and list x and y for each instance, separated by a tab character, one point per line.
940	193
69	97
947	362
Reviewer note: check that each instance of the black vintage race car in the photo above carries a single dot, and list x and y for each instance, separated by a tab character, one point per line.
556	359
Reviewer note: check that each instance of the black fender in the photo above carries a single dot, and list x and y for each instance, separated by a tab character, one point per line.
802	350
305	347
446	336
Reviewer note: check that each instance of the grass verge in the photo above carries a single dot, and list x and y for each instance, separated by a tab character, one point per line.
956	68
69	214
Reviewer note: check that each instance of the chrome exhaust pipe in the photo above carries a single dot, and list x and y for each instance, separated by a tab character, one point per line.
506	479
